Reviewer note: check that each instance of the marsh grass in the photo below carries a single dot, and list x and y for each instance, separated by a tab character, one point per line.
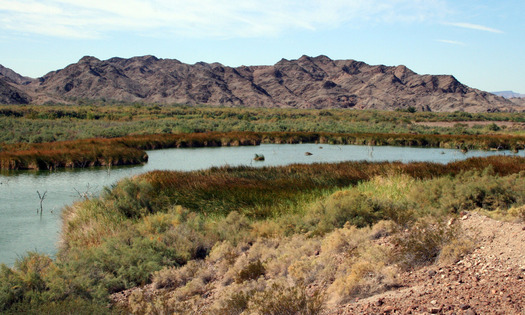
47	123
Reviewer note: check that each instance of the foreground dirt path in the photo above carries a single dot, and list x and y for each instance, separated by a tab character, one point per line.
490	280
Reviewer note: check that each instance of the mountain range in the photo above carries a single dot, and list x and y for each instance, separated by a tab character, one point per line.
509	94
307	82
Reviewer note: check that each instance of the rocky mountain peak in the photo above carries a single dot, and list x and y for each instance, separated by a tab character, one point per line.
88	59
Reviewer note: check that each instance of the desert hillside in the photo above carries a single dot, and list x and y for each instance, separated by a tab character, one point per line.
308	82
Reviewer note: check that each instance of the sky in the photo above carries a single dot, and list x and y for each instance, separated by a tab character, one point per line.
481	43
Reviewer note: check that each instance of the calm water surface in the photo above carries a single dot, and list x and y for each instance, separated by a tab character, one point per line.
22	229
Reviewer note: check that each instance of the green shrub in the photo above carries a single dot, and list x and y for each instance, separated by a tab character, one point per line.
26	282
121	263
356	208
470	190
134	198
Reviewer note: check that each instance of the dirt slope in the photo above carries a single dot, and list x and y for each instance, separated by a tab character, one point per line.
488	281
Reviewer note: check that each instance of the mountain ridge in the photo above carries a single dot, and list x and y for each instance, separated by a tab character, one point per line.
307	82
12	76
509	94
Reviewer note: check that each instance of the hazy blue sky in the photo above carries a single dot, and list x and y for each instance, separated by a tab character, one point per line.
480	42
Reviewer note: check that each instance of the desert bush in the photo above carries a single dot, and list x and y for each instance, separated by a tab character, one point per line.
26	282
453	251
346	240
174	277
251	271
76	305
280	299
423	242
344	206
518	212
366	278
223	252
161	303
158	223
35	285
269	228
236	303
382	228
235	228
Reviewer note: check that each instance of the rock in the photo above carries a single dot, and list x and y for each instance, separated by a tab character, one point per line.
464	306
388	310
470	312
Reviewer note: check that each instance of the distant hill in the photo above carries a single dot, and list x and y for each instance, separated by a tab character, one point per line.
10	94
11	76
508	94
308	82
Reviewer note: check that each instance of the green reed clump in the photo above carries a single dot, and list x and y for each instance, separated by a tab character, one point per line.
471	190
133	199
